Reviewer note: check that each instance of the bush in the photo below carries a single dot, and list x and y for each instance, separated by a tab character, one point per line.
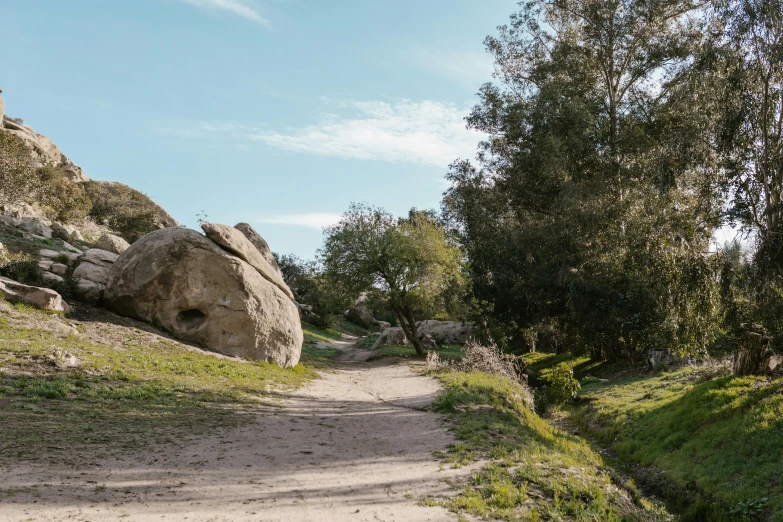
127	211
488	358
62	199
20	267
17	180
561	383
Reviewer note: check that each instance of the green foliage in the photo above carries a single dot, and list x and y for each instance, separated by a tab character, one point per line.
62	199
310	288
127	211
592	203
16	176
561	383
20	267
411	262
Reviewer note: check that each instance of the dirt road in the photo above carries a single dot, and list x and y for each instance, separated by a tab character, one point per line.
355	445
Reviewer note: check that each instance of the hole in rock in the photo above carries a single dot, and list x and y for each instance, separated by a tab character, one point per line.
189	320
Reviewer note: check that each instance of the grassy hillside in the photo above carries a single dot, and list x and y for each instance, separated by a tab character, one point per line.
531	470
98	383
717	440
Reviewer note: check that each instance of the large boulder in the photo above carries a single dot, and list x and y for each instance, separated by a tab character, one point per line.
35	226
42	298
112	243
236	243
445	332
360	313
258	242
394	336
183	282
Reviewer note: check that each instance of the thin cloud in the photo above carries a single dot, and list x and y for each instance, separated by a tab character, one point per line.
425	132
244	8
317	220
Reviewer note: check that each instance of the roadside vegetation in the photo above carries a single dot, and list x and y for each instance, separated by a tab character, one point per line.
706	441
529	469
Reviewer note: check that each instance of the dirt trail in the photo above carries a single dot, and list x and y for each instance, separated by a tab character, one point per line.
355	445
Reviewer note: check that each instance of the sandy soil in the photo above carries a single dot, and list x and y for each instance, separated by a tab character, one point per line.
355	445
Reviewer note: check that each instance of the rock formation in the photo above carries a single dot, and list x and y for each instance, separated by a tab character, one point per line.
42	298
44	152
185	283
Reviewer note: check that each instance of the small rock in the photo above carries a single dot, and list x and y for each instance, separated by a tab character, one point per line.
92	272
69	247
88	291
66	232
52	254
35	226
45	264
57	268
49	277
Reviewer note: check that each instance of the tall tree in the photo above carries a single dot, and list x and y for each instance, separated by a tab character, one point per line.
411	261
585	211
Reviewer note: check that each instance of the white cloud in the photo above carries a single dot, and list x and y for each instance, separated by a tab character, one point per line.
310	220
426	132
244	8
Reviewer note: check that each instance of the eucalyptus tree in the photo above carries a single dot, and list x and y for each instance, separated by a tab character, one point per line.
586	211
411	261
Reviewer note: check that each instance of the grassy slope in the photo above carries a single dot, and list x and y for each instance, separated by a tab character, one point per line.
718	439
121	397
535	471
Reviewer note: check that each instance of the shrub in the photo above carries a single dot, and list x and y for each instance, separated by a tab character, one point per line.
127	211
561	383
488	358
20	267
16	176
63	200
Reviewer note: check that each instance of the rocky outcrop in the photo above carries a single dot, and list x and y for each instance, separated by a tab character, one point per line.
360	313
391	337
44	152
92	274
445	332
42	298
258	242
35	226
183	282
235	242
67	233
432	333
755	357
112	243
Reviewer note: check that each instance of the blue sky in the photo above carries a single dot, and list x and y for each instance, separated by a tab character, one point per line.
275	112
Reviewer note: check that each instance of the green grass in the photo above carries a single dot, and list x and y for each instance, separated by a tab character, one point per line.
535	471
120	397
12	239
717	439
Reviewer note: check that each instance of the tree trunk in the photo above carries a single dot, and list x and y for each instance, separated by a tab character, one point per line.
408	324
754	355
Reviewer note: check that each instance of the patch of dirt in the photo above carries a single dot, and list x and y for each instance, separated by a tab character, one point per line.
355	445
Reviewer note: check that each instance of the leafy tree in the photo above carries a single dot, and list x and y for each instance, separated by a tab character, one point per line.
410	261
311	288
592	205
16	176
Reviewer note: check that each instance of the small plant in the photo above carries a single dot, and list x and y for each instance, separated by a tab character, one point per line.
562	385
749	508
202	218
